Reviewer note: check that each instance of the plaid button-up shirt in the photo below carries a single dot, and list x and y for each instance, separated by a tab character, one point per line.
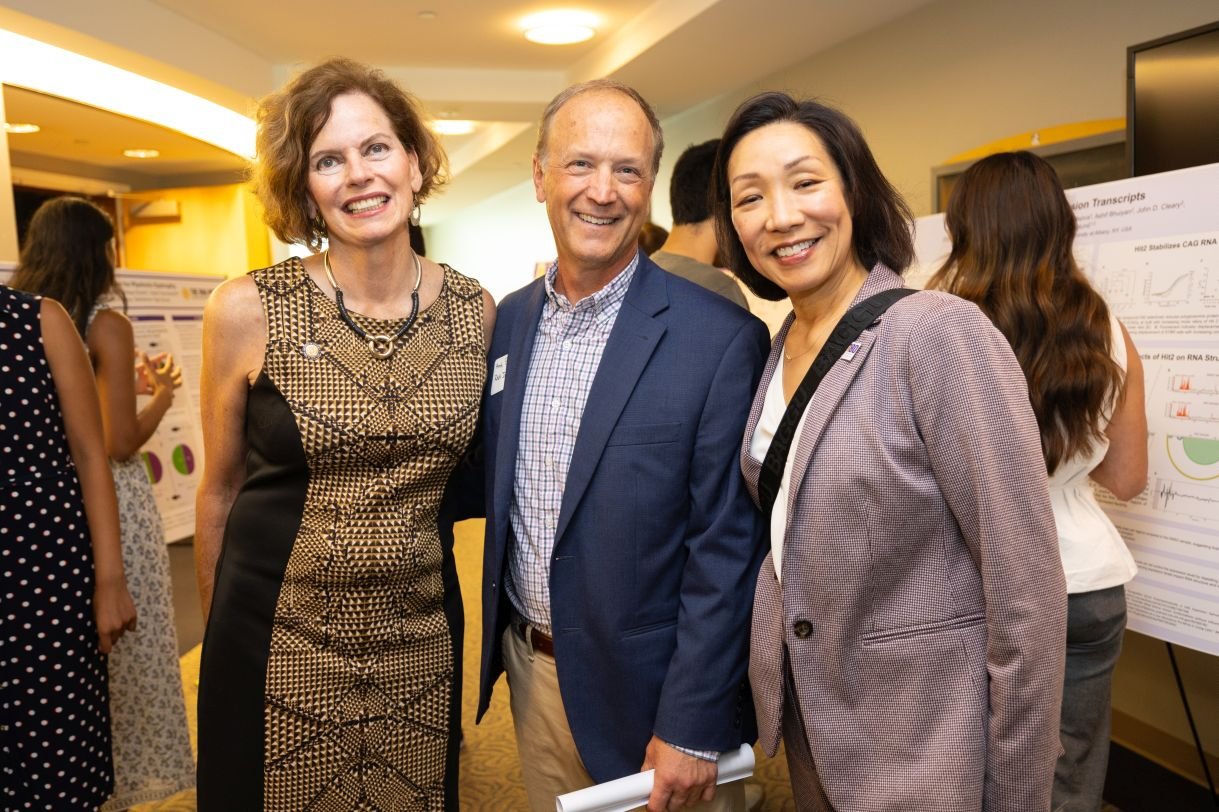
566	354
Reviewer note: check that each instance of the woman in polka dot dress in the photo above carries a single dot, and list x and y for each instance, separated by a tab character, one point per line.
56	493
67	256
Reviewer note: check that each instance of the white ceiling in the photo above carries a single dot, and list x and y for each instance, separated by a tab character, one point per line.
469	61
463	34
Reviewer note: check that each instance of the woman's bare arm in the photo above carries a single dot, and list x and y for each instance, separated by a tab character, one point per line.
113	609
233	343
488	319
1124	469
112	345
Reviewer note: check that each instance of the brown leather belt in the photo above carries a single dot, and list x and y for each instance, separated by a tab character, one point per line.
539	641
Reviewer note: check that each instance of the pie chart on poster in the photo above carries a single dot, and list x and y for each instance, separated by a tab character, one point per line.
1195	458
153	467
184	459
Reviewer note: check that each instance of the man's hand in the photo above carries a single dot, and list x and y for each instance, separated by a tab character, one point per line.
681	780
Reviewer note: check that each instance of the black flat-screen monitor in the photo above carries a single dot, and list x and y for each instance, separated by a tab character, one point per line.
1172	97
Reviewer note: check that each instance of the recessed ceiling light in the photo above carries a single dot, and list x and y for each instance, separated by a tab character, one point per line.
453	126
142	153
20	129
559	27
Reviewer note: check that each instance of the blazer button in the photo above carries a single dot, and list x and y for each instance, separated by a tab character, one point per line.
802	628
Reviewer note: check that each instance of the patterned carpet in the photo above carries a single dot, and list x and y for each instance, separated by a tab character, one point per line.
490	770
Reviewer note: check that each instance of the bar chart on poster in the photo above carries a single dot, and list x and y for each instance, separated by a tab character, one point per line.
1150	245
166	312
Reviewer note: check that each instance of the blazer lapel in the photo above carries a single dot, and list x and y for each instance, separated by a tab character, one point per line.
631	343
751	468
520	352
835	385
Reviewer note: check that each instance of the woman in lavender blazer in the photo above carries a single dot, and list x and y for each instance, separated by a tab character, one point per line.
909	623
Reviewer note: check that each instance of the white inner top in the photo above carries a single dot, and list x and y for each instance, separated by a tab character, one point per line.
773	409
1094	556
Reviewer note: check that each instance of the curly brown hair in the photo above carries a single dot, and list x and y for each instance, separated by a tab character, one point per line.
1013	236
289	121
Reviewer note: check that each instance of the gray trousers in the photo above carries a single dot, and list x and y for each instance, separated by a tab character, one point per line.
806	784
1095	622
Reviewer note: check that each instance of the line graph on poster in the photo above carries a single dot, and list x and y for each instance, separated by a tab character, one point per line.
1139	281
1190	500
1170	290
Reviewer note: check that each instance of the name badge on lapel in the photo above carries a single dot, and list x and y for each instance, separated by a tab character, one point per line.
850	351
499	373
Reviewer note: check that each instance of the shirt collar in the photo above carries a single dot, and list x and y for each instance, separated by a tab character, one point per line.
601	303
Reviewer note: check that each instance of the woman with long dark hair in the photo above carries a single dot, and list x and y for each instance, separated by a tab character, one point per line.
1013	235
68	256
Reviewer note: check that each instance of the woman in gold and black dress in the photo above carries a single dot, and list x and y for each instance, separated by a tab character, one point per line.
338	393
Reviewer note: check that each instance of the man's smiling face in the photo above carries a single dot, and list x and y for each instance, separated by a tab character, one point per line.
595	177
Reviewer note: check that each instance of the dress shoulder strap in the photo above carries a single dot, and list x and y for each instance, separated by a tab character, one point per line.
284	289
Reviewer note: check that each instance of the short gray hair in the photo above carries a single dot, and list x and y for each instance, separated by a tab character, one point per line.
658	138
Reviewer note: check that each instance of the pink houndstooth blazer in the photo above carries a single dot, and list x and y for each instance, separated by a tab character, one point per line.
922	603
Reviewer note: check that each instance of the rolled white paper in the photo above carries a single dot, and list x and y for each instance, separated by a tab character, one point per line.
632	791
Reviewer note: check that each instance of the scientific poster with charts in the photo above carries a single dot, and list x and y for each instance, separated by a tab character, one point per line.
1150	245
166	312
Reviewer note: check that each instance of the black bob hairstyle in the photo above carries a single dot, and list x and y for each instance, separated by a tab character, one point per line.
880	219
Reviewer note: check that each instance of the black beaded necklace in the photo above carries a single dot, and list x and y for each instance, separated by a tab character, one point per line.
381	346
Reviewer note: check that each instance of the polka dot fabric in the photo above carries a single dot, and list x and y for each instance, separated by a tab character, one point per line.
54	713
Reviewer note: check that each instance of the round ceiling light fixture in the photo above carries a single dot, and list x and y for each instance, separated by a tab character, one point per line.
20	128
560	27
142	153
452	126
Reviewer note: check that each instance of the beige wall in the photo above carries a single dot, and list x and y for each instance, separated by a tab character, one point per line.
218	231
498	242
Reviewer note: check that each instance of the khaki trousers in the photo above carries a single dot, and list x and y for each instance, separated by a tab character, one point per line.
550	763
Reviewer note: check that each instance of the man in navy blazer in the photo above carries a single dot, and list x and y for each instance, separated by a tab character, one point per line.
621	547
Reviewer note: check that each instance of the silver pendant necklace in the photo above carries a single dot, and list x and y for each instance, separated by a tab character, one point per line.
381	346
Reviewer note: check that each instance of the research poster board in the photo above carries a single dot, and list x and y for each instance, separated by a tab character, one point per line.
1150	245
166	312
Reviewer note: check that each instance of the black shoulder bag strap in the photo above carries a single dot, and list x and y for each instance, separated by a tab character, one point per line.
856	320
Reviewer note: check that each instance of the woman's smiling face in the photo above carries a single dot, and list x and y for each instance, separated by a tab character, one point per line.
789	209
361	178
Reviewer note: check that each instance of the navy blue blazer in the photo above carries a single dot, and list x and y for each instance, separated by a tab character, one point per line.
658	544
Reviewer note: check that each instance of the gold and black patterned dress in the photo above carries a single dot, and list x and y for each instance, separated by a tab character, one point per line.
331	665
